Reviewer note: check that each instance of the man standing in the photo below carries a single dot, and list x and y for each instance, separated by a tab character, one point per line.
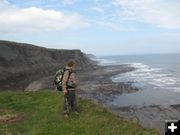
69	88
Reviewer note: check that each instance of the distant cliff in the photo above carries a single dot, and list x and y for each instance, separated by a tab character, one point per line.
20	63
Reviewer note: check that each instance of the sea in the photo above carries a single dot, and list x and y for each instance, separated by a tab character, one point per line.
157	76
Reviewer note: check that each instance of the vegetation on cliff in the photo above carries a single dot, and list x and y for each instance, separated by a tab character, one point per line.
39	113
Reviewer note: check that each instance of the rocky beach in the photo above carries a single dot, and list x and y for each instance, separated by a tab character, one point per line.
100	88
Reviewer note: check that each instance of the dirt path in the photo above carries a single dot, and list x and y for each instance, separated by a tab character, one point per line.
11	116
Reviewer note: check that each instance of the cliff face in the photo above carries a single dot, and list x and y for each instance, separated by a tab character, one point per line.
20	64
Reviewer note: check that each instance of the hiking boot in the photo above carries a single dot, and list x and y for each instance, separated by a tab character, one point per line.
66	116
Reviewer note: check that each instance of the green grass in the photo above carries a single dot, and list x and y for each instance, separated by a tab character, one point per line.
43	116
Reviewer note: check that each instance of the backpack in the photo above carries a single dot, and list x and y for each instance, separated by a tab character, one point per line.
58	78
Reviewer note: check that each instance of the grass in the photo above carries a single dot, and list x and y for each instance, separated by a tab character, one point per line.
42	115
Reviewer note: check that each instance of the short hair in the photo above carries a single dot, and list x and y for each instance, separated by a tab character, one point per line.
71	63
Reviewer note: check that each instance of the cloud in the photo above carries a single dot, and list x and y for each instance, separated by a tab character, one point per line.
4	4
98	9
33	19
162	13
116	26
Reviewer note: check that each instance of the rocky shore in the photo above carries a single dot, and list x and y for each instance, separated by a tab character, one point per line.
97	85
152	116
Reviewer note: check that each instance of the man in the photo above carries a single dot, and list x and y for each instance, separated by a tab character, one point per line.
69	88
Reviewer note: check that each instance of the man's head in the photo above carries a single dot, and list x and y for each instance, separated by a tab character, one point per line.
71	63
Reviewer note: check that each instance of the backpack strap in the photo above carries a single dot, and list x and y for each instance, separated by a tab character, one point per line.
69	73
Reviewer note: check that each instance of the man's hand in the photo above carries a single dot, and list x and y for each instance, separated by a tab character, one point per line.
74	84
64	92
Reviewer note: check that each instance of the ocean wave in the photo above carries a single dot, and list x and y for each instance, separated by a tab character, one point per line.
105	62
176	89
147	76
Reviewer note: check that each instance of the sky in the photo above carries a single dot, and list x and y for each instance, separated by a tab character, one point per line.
100	27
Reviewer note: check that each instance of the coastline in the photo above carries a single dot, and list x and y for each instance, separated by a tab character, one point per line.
98	86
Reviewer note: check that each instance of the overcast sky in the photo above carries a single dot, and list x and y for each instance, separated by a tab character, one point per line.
100	27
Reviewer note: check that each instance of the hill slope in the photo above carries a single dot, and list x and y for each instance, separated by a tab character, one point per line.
20	63
39	113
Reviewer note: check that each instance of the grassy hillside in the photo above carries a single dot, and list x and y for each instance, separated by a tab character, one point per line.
39	113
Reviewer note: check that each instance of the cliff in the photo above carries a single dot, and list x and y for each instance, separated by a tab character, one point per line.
21	63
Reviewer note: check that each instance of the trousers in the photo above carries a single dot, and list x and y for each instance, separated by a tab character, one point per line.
69	102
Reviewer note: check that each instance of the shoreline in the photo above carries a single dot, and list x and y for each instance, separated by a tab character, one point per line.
98	86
